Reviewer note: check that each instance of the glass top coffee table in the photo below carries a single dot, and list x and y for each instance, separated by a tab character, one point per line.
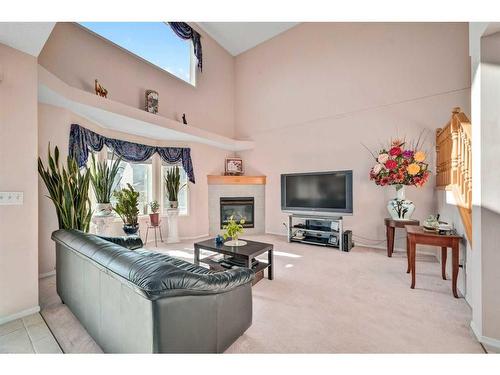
245	254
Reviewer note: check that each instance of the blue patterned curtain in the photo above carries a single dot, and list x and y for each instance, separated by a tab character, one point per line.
82	141
186	32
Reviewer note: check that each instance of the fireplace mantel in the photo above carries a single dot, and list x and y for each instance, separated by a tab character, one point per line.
236	180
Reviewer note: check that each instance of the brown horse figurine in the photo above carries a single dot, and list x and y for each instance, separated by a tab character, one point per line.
99	90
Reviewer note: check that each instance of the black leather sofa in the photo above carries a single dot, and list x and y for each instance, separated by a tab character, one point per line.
145	302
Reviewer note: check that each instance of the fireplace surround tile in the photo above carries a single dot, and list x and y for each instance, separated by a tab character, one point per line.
215	192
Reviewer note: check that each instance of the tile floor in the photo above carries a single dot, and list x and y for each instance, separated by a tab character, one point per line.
27	335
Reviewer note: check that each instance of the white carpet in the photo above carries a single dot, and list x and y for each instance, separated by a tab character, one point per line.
326	301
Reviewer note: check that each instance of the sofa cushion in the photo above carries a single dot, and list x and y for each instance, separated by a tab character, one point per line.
155	274
130	242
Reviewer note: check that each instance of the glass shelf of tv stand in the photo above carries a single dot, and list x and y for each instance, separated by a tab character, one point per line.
315	230
293	229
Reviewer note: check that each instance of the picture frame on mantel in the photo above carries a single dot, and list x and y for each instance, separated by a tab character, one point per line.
233	167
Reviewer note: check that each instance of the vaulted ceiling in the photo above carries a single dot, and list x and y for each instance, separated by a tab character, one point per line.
238	37
28	37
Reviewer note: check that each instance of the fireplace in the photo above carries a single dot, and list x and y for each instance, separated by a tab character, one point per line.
239	208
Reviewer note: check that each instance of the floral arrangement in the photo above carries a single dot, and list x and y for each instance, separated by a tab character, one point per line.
400	164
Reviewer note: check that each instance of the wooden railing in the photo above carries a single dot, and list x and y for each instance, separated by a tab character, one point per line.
454	164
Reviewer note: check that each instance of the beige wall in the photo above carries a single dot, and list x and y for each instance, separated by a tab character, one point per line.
78	57
309	97
448	209
54	125
490	181
18	172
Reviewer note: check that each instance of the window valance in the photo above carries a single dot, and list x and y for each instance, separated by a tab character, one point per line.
81	140
186	32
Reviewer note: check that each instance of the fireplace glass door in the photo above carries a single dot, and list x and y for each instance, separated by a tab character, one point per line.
238	208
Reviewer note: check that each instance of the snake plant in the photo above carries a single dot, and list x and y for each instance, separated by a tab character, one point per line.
103	178
126	205
68	188
172	183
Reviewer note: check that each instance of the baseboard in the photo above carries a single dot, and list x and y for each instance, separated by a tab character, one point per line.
47	274
396	249
184	238
19	315
275	233
491	344
194	237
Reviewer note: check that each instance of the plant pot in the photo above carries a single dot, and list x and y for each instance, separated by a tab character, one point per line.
103	209
130	229
400	208
173	204
154	219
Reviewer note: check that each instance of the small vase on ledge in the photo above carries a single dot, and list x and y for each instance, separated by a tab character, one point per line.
400	208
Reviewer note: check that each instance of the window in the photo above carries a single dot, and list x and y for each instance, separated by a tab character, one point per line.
154	42
183	194
140	176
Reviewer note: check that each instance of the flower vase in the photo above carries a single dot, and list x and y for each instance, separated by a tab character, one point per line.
400	208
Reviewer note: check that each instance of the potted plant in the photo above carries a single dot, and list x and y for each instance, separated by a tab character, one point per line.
126	208
233	229
173	186
103	178
154	216
69	191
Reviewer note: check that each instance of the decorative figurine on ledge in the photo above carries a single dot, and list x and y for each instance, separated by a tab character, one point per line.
184	121
99	90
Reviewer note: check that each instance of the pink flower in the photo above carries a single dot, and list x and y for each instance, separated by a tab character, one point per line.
382	158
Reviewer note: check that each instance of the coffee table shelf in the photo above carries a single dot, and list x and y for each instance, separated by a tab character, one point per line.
248	252
260	266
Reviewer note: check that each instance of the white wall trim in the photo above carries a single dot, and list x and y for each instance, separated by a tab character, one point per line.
47	274
488	341
276	233
194	237
396	249
181	238
19	315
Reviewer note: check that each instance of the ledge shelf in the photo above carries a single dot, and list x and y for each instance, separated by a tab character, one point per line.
117	116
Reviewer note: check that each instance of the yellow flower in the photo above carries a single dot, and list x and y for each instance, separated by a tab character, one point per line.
413	169
419	156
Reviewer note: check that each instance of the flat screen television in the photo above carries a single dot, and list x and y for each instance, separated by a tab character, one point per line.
320	192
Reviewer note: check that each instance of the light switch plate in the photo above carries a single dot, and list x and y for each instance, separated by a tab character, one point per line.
11	198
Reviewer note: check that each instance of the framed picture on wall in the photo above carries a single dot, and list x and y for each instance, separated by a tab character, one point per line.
234	167
151	101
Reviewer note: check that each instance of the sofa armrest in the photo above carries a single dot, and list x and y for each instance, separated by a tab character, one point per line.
129	242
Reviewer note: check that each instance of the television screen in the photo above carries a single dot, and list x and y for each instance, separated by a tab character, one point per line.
322	191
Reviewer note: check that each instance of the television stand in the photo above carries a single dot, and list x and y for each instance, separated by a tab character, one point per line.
322	230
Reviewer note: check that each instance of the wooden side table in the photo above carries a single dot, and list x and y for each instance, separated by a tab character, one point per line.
417	235
390	229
